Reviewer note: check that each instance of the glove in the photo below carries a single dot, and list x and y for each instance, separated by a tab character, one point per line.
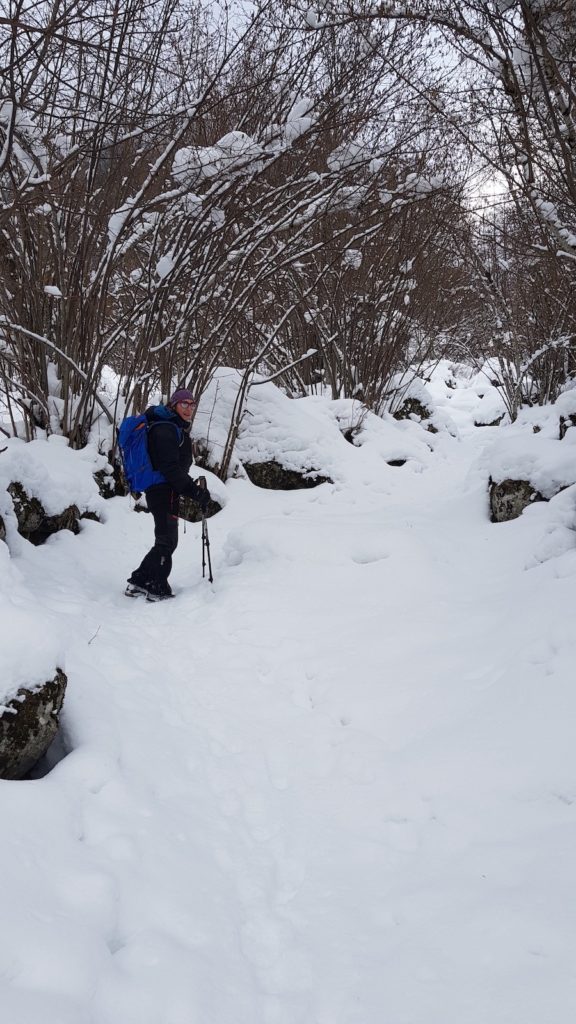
203	493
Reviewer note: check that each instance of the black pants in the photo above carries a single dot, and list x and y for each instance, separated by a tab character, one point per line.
156	566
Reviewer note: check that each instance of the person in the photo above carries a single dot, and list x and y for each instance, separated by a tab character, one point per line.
170	453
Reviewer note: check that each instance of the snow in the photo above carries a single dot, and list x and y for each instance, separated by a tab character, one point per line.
118	219
54	473
235	152
349	154
300	119
304	434
334	787
165	265
545	463
352	258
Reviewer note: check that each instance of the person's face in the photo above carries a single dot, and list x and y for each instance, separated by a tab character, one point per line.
186	410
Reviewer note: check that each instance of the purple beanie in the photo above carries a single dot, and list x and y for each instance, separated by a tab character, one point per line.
181	395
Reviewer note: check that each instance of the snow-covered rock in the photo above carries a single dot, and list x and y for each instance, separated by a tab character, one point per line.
532	459
191	512
419	405
46	486
305	436
273	476
28	724
546	464
33	522
509	498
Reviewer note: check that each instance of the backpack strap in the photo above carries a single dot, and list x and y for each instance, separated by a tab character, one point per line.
162	414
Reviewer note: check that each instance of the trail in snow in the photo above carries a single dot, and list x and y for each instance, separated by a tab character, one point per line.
335	787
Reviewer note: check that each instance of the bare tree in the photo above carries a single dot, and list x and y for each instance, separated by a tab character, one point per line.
163	174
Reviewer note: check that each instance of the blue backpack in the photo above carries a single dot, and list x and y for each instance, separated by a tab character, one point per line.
133	445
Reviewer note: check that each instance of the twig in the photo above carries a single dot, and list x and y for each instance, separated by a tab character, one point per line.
94	637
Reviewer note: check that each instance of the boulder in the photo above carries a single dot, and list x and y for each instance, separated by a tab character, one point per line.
272	476
29	511
565	423
35	524
490	423
413	408
192	512
509	498
110	482
2	529
351	434
28	724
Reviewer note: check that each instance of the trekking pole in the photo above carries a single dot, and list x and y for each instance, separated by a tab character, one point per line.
201	481
206	551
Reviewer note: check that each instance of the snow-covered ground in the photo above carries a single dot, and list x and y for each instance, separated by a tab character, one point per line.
337	786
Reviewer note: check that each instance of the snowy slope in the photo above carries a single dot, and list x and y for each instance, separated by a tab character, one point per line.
335	787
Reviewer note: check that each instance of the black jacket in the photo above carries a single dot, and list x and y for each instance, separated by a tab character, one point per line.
170	453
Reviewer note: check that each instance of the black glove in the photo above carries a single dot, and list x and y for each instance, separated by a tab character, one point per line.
203	493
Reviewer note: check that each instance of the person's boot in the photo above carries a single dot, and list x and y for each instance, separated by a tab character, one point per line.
134	589
159	592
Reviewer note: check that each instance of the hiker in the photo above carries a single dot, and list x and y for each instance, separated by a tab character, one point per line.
170	452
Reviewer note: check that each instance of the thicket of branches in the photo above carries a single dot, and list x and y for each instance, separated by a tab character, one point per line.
287	191
503	84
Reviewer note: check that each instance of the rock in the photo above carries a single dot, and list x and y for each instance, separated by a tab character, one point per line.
28	724
2	529
490	423
29	511
110	482
396	462
350	435
509	498
35	524
565	423
272	476
192	512
412	407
